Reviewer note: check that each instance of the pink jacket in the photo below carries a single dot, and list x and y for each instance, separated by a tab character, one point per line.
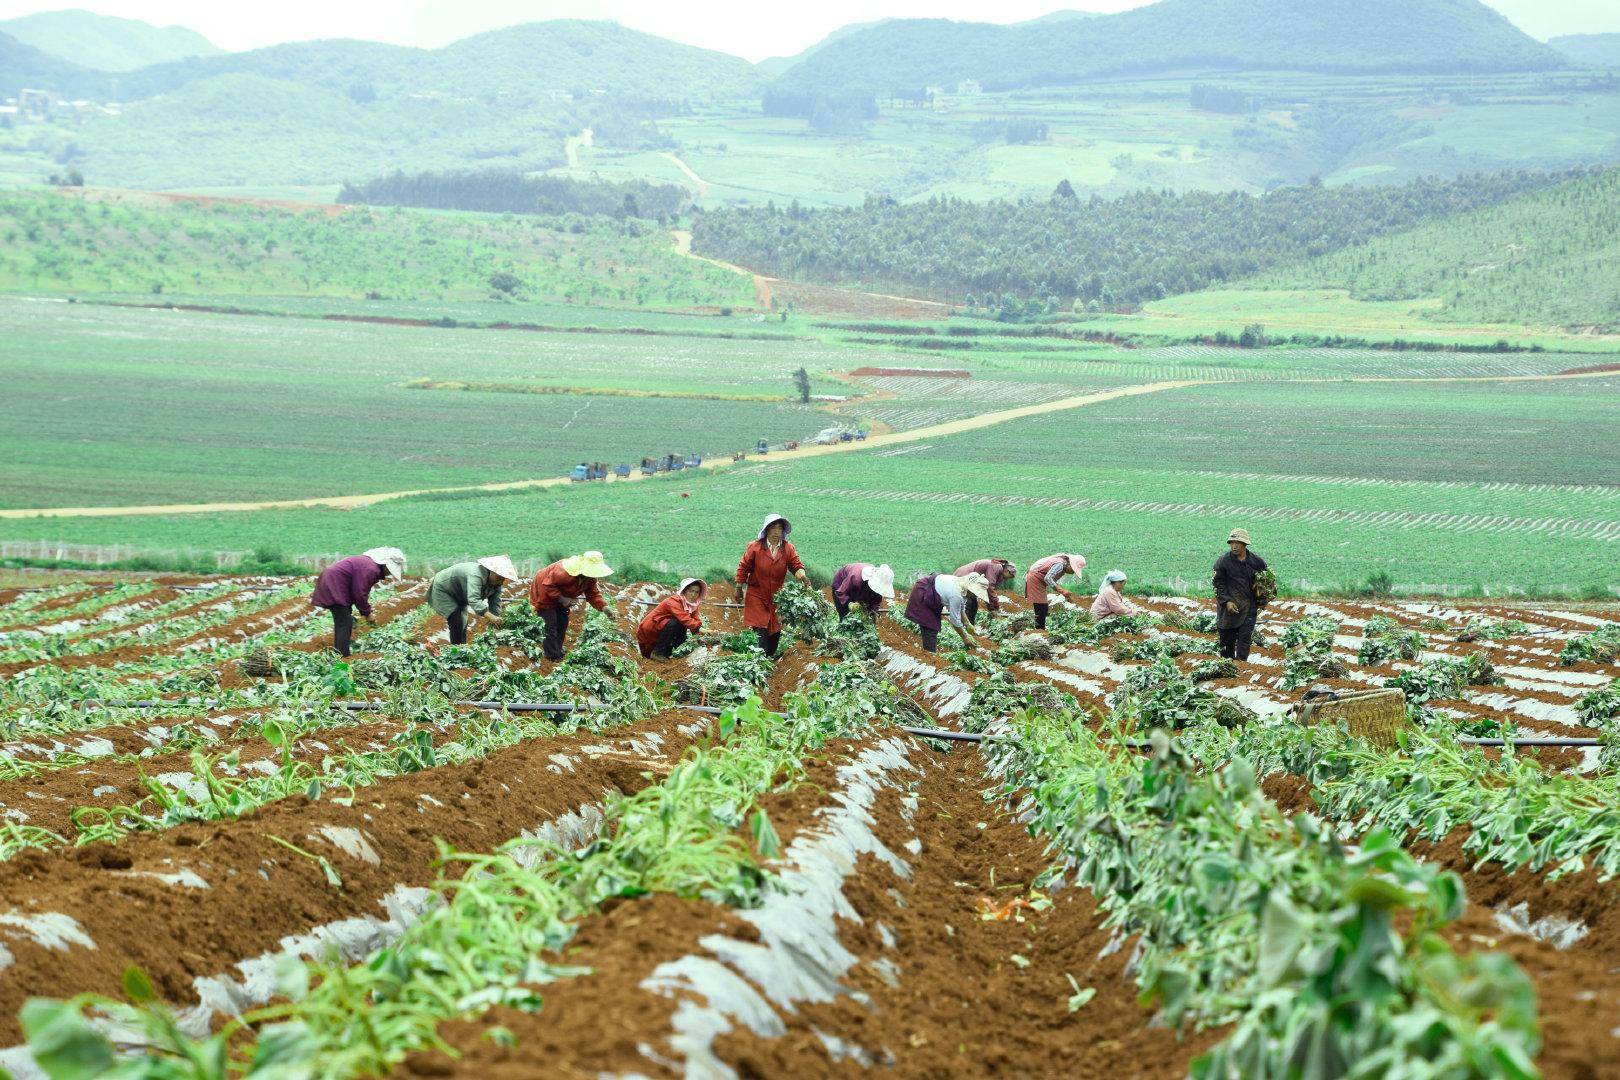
991	569
1109	602
1035	580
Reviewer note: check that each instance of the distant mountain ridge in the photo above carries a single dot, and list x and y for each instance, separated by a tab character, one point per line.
1338	36
1590	50
106	43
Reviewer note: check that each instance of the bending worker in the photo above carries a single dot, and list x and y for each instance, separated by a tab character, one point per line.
470	588
666	626
346	585
1111	597
1044	575
764	567
864	584
1236	607
944	594
555	589
995	571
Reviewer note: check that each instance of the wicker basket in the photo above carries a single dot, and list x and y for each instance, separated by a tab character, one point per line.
258	663
1374	715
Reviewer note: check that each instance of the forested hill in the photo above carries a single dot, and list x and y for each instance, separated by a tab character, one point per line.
1373	36
1107	254
1551	258
104	42
1590	50
23	65
517	65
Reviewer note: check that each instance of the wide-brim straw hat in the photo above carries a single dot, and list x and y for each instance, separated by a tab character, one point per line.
1240	536
977	585
1077	563
499	565
880	579
390	558
590	564
703	587
771	519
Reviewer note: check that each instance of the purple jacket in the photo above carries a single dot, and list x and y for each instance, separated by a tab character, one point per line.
924	606
348	581
848	588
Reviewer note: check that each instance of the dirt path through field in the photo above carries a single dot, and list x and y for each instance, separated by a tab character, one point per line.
701	184
573	143
349	502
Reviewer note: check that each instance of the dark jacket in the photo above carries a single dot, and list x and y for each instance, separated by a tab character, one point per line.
1234	581
848	588
348	581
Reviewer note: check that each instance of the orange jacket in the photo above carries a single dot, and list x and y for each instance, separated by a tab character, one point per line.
672	608
553	585
764	574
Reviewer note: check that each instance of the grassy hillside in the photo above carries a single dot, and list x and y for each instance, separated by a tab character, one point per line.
123	243
1590	50
1549	258
23	65
1367	36
104	42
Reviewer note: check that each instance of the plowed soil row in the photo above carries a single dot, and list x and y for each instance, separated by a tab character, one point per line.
248	892
934	987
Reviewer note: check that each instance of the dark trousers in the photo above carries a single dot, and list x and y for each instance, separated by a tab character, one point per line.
670	638
768	641
930	639
841	607
1235	641
342	628
1040	615
457	621
556	620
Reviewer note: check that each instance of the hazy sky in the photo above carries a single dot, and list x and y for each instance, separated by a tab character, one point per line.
742	27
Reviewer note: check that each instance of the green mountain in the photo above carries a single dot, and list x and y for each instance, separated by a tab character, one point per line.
516	64
103	42
1590	50
22	65
776	65
1551	258
1338	36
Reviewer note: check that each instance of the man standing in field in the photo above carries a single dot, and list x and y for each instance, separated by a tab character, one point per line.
1236	606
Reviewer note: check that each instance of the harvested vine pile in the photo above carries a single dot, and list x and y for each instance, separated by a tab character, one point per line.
344	868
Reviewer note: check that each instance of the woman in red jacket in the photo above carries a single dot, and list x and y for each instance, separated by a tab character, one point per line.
666	626
764	567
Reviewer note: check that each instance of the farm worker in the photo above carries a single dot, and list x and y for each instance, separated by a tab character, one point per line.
554	590
346	585
470	588
764	567
1110	598
995	572
1235	606
864	584
666	626
945	594
1044	575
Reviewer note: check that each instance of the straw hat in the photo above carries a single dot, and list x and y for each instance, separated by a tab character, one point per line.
389	557
976	584
500	566
1077	563
787	526
881	579
1240	536
591	564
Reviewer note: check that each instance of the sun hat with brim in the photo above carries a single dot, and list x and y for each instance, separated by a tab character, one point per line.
1240	536
880	579
391	558
976	585
590	564
1115	575
703	588
1077	563
771	519
500	565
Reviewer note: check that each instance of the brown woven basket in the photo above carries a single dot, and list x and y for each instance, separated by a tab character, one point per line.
1374	715
258	663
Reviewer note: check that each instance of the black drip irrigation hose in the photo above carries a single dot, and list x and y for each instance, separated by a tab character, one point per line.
361	706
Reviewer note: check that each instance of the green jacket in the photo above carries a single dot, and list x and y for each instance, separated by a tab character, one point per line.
464	585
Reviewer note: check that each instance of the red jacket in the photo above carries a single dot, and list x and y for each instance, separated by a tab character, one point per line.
553	585
672	608
764	574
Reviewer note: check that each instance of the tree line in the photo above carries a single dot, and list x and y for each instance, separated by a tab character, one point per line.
1105	254
513	191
